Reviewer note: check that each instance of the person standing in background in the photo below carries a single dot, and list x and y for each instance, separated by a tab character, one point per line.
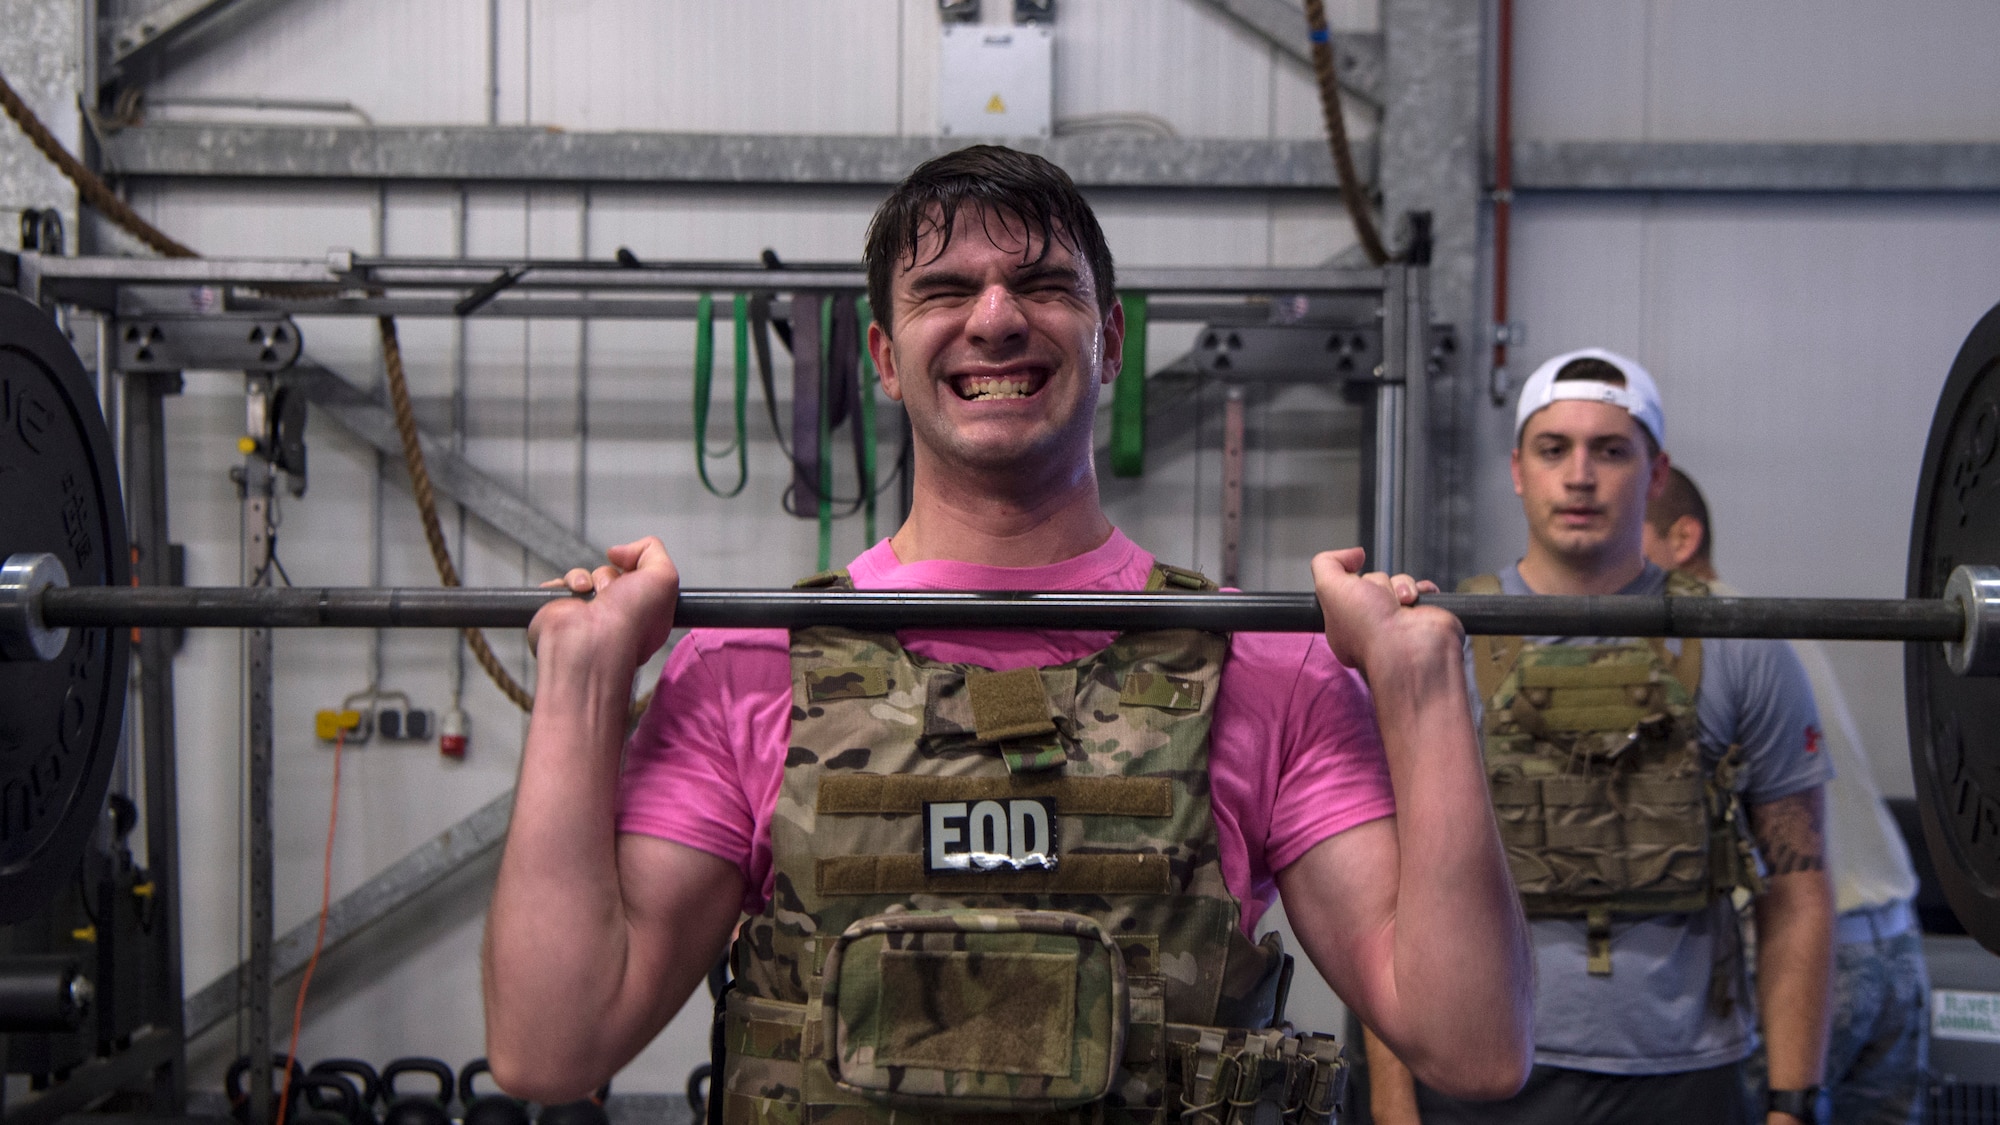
1880	1046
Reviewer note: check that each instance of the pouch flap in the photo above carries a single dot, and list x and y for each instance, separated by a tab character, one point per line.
1610	673
975	1011
1009	705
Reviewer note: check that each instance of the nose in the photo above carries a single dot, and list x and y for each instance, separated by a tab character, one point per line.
1579	472
997	319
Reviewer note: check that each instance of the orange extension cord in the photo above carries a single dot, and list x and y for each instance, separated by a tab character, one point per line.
319	939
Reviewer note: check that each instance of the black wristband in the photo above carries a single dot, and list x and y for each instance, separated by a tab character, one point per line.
1802	1104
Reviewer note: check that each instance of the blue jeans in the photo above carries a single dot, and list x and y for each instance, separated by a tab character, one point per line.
1880	1046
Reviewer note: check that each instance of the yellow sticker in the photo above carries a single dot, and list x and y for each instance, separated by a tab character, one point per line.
994	104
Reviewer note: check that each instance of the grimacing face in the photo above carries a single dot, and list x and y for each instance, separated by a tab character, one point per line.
997	356
1584	475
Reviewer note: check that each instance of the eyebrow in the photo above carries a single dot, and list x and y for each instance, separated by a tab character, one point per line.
927	281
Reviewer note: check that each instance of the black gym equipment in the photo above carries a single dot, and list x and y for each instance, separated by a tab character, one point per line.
415	1108
487	1109
329	1099
66	612
1955	720
43	992
233	1083
58	491
367	1084
583	1111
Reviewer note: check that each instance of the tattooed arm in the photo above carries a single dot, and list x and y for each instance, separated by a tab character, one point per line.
1794	938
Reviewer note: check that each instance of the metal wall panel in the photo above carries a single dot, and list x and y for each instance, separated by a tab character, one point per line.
422	63
1788	70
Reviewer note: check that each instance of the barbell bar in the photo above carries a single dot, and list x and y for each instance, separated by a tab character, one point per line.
62	694
36	602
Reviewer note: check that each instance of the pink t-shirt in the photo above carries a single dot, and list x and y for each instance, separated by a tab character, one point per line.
1294	753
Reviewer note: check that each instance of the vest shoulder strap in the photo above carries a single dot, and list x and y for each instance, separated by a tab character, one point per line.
1179	578
825	580
1480	584
1492	657
1687	666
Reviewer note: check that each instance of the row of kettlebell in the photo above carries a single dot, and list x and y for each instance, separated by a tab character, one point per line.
351	1092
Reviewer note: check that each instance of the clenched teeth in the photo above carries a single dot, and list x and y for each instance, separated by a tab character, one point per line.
975	388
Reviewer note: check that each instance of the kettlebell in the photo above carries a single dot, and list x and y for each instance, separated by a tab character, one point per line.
588	1111
487	1109
367	1084
417	1109
239	1098
325	1098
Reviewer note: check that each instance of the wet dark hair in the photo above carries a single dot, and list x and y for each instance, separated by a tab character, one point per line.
1018	187
1682	498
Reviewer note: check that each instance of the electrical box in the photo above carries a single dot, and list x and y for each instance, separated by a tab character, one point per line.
996	81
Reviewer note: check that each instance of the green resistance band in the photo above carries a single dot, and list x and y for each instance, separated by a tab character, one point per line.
704	372
825	434
862	315
1128	394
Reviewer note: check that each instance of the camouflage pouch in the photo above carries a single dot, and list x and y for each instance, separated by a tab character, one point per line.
975	1011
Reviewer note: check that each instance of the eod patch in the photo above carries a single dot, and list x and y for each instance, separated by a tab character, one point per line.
1015	834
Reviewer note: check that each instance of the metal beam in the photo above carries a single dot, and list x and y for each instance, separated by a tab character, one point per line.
494	503
101	282
150	37
1357	54
403	882
483	154
1755	166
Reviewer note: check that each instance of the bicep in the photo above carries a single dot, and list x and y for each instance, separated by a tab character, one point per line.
681	905
1791	831
1340	898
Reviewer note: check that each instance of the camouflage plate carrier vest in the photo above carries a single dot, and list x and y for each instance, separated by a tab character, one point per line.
1607	804
998	896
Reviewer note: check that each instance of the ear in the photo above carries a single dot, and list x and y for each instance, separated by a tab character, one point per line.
883	351
1514	469
1114	342
1662	472
1684	539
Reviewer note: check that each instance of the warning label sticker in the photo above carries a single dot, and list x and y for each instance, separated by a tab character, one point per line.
1973	1016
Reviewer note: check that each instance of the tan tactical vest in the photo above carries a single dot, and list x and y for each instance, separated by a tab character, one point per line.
1607	804
1000	894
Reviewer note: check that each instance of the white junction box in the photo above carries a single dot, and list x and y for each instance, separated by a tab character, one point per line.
996	81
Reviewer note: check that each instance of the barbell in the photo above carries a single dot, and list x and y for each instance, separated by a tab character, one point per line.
67	610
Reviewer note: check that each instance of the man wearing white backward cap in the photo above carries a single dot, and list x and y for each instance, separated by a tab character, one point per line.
1623	771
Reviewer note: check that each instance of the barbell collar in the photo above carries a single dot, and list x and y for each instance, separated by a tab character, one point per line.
1976	592
1937	620
24	635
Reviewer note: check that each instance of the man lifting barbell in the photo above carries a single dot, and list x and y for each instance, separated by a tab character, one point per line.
868	799
1623	771
65	605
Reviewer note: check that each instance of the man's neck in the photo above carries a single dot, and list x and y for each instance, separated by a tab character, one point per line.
1548	573
980	527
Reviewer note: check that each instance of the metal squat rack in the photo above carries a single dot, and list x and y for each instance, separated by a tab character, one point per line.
1365	331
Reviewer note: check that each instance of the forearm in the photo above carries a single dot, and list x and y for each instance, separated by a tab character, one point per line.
1794	973
1392	1092
556	940
1463	972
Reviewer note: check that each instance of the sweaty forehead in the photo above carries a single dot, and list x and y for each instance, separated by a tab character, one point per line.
1581	420
978	231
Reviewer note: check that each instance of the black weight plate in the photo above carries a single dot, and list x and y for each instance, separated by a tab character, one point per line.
1955	720
59	719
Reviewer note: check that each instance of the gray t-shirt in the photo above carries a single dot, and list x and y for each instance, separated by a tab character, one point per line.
1652	1015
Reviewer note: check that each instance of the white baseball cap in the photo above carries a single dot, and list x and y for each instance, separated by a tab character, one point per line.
1638	396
